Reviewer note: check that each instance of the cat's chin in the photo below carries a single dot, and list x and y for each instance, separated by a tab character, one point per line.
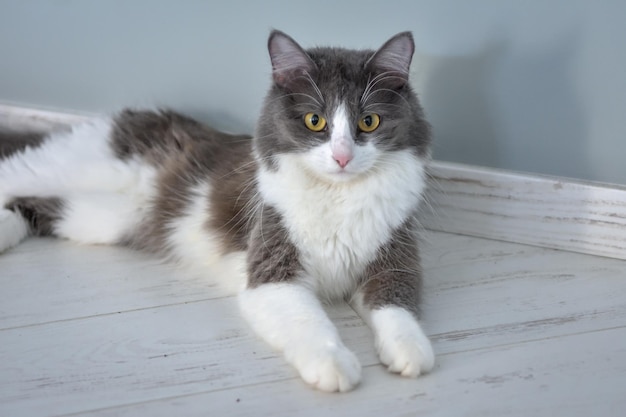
337	176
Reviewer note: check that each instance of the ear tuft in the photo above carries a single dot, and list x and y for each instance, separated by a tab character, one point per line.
394	57
289	60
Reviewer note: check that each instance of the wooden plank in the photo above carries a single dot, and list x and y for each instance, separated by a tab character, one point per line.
579	375
479	294
537	210
62	281
483	291
70	366
65	281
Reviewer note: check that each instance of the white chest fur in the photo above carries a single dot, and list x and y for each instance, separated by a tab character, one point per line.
339	227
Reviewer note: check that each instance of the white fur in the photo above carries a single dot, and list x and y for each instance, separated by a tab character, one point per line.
189	240
13	229
339	226
78	160
99	218
401	342
291	319
341	144
232	272
104	197
192	244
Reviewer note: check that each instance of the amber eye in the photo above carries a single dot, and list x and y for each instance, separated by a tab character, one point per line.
314	122
369	122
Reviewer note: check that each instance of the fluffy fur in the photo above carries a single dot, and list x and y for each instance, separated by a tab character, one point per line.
337	235
13	229
290	218
291	319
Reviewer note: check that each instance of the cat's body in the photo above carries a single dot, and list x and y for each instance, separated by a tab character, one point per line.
319	205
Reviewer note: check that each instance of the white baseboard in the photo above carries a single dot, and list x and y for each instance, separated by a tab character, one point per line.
537	210
22	118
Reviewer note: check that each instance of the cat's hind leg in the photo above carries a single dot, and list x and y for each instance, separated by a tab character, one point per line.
28	215
73	185
90	219
13	226
13	229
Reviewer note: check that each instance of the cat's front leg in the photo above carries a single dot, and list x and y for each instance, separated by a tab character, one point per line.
289	317
388	301
401	343
285	312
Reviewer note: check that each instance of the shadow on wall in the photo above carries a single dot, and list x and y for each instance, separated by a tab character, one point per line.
454	93
509	109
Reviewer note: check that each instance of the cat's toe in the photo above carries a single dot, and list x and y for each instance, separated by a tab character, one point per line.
401	343
408	355
329	369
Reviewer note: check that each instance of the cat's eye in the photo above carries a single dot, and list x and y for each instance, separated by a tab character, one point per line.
314	122
369	122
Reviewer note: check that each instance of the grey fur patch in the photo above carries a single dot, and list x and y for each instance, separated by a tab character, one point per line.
271	255
395	277
234	199
12	142
41	213
156	136
185	153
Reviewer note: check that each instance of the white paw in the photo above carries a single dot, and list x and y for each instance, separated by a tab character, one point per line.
401	343
291	319
408	355
328	368
13	229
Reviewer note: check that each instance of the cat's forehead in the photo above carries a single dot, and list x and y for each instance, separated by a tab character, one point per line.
327	58
338	66
340	78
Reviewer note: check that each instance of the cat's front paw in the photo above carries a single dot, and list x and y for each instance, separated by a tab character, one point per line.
408	355
401	343
328	368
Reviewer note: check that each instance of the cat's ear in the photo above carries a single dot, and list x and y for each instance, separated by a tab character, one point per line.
290	63
394	59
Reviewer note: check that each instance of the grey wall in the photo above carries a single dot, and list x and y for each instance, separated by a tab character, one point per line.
534	85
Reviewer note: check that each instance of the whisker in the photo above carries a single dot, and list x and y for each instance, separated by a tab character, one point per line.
315	87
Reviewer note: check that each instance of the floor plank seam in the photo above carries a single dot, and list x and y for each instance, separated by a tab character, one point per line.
188	395
528	341
114	313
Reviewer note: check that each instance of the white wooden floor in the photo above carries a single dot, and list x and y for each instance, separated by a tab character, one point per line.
518	330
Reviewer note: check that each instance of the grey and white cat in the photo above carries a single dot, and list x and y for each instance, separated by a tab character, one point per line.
319	205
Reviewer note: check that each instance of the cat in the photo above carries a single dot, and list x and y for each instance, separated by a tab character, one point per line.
319	205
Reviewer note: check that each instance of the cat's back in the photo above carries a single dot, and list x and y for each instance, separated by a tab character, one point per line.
160	136
197	166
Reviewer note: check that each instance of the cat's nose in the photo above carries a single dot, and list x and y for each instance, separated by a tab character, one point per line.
342	160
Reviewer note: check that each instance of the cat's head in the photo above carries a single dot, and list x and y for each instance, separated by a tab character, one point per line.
341	111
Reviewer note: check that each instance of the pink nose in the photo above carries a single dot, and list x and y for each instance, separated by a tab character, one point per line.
342	160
